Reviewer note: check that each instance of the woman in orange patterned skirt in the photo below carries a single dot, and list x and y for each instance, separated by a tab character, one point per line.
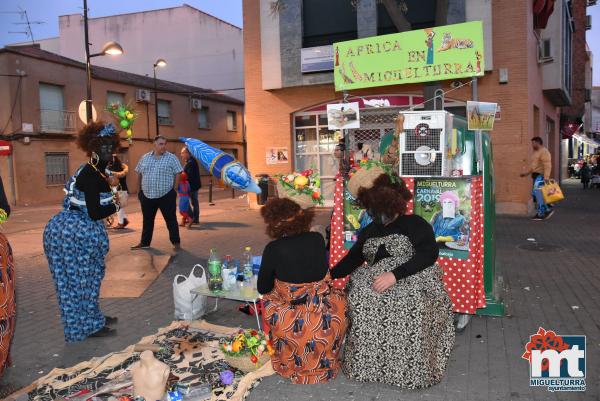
8	307
306	314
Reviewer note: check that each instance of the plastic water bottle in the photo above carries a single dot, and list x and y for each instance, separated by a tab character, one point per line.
215	281
247	263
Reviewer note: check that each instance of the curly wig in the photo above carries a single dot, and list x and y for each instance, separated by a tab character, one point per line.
284	217
385	196
89	141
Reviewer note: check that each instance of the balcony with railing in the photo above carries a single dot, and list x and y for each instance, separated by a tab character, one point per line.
59	121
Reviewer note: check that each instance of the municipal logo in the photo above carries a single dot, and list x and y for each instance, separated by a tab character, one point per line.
556	361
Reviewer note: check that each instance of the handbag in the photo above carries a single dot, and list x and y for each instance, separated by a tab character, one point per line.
189	306
552	192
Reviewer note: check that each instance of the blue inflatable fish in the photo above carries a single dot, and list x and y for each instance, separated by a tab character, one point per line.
222	165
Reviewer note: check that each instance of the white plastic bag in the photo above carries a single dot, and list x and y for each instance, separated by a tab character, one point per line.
189	306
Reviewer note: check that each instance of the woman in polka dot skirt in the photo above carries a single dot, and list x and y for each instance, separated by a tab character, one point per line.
401	330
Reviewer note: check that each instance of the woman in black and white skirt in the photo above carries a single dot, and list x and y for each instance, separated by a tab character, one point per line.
401	328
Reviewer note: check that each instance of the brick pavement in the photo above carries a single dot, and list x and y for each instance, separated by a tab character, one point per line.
556	289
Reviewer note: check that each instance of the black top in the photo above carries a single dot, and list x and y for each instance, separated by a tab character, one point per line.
117	167
91	183
3	201
193	174
297	259
419	233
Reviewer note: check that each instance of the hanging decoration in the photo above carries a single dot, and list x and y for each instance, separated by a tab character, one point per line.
125	115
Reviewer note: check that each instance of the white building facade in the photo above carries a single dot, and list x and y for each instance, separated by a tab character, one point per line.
200	49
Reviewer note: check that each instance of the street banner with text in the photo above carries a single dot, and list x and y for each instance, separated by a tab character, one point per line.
432	54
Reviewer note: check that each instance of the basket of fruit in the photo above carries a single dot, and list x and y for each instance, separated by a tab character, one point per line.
303	188
248	350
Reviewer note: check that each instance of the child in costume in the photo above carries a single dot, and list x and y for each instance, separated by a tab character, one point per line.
184	201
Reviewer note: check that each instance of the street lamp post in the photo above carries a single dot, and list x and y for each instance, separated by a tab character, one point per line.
112	48
159	63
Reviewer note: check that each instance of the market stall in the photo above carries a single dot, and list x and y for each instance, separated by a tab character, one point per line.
463	226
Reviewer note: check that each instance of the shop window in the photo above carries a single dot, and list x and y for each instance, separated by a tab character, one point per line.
203	121
57	168
114	98
164	112
318	26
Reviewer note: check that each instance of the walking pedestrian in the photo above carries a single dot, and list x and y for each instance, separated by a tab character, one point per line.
159	173
120	170
540	168
193	174
586	175
75	240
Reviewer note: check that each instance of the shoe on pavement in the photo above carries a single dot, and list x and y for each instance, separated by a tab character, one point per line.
549	214
177	246
537	217
104	332
110	320
125	222
140	246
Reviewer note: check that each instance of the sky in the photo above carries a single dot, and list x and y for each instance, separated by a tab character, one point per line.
48	11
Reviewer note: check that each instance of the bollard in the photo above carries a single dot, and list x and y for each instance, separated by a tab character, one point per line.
210	193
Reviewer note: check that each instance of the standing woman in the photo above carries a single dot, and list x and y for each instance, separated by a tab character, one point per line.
401	329
75	240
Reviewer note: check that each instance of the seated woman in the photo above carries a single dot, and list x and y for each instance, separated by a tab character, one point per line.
400	317
307	316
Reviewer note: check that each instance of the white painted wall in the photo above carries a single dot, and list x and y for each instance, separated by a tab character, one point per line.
200	50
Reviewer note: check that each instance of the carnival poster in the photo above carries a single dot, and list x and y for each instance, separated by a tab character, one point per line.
446	204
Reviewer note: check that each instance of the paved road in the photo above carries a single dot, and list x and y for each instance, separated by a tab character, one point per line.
557	289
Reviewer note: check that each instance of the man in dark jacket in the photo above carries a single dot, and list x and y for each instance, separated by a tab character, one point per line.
193	174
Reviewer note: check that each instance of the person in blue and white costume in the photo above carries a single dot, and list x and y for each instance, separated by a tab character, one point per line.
76	242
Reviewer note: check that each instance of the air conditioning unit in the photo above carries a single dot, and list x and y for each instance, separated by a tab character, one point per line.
545	51
142	95
423	143
195	103
588	22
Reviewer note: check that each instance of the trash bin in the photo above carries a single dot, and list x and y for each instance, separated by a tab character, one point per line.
263	184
